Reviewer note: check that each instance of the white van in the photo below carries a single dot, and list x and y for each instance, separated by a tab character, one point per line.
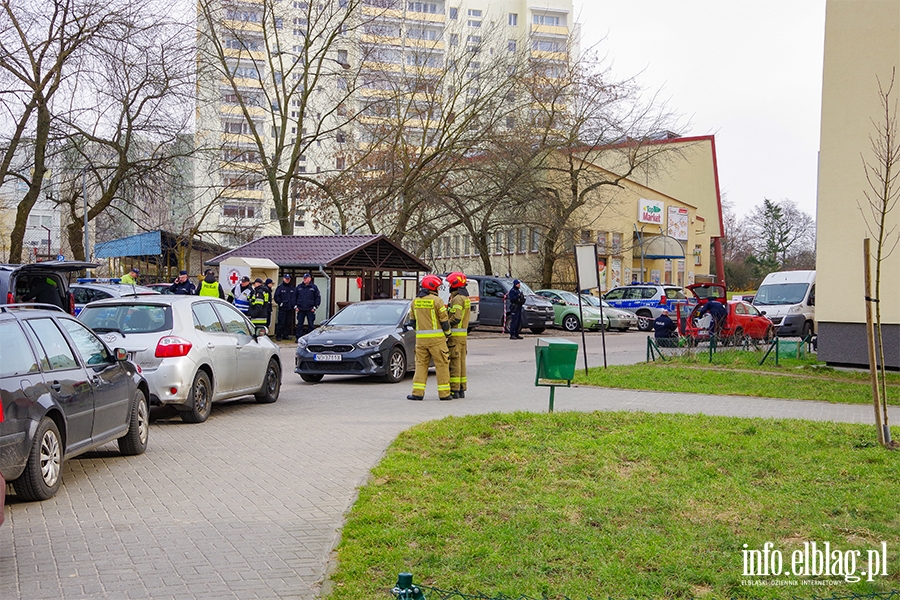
789	299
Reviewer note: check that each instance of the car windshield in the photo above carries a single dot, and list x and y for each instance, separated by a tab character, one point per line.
592	300
127	318
569	297
780	293
370	313
525	289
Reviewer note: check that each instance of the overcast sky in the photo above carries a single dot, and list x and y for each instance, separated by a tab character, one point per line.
748	71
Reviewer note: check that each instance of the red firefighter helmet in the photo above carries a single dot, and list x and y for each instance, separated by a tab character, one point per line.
431	283
456	280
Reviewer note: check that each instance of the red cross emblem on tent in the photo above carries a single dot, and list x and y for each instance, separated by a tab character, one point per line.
234	276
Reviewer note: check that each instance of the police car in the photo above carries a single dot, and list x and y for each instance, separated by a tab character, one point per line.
647	300
88	289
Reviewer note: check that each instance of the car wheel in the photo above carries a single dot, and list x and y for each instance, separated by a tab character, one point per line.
738	338
43	472
537	330
271	386
311	377
200	402
807	330
645	321
396	367
135	441
770	335
571	323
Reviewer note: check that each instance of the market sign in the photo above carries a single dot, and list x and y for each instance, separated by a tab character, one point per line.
650	211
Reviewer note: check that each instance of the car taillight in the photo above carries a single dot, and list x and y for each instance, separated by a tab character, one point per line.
10	299
1	412
71	303
172	346
663	301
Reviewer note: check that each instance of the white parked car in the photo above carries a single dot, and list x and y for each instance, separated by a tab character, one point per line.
193	350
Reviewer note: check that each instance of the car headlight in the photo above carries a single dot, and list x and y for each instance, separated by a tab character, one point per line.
534	308
302	342
795	309
371	342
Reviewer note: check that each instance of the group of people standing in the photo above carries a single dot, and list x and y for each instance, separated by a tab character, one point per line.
441	336
254	299
298	302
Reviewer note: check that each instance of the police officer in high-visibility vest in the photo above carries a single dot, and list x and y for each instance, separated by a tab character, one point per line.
429	317
458	310
210	286
258	299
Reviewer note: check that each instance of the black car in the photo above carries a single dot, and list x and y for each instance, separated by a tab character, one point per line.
537	312
373	337
44	282
63	393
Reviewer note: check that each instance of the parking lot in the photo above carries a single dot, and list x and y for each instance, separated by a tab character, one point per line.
250	503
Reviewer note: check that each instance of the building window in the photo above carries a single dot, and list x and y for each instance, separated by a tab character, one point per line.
454	39
465	245
616	243
454	13
511	241
601	243
523	239
535	239
342	57
513	19
546	20
511	45
698	255
498	243
339	163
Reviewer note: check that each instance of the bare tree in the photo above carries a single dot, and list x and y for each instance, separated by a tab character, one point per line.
596	132
41	44
126	129
882	174
286	91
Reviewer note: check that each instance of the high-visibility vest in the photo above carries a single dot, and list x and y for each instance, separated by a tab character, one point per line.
209	289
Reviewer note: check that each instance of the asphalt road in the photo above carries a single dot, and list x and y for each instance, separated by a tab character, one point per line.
250	503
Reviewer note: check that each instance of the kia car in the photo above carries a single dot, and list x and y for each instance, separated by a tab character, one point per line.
193	350
63	392
373	337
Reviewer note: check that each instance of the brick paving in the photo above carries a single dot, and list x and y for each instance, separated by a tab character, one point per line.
250	503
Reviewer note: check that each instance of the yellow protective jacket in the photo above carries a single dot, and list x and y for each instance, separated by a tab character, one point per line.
430	318
459	310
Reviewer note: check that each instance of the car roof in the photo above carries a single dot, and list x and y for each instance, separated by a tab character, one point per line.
155	298
123	289
59	266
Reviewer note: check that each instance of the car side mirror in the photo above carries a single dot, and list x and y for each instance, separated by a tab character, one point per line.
762	312
407	325
812	301
121	354
499	294
260	331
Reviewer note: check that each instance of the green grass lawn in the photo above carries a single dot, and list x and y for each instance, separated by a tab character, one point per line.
617	505
738	374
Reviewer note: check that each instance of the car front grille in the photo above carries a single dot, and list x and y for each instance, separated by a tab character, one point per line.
335	367
338	348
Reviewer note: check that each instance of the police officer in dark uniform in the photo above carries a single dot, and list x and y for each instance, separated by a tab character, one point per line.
307	299
268	284
182	285
516	300
284	298
665	331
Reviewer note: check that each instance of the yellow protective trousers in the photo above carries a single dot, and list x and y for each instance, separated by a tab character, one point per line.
433	349
458	346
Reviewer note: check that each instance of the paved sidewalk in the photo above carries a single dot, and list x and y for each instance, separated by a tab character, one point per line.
250	503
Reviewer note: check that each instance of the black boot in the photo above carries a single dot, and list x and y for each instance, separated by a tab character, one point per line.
414	397
461	394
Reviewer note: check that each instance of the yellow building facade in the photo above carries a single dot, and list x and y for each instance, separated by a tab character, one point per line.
656	226
862	47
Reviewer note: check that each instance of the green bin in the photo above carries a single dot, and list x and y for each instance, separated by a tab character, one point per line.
791	348
555	359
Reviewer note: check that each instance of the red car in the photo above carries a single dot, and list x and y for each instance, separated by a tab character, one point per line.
744	321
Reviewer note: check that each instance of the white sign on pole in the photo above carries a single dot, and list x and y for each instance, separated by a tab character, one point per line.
586	264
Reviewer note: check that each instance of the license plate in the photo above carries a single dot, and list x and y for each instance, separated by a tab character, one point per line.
328	358
548	322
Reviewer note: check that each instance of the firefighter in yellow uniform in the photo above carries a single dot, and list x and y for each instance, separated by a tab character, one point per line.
429	317
459	308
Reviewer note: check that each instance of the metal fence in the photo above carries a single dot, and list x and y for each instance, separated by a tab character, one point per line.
666	348
406	590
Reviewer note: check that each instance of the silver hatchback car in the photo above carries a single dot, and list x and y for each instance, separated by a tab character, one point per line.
193	350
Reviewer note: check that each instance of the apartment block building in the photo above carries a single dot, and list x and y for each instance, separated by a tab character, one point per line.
288	91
